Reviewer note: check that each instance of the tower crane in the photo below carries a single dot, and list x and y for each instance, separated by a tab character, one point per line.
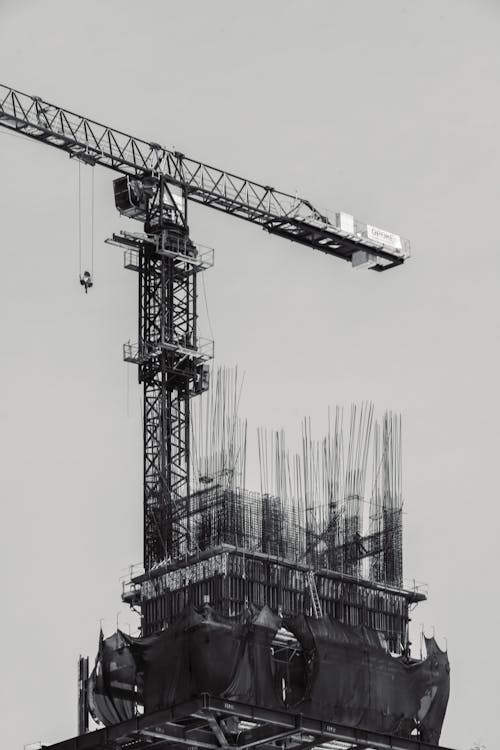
154	186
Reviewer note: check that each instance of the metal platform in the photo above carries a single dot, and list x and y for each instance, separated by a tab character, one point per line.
207	723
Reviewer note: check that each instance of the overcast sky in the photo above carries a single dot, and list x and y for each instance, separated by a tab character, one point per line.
388	110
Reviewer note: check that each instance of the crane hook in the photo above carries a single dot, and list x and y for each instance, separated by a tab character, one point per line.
86	281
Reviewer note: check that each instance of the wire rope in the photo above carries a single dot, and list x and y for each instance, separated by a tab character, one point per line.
79	219
206	306
92	209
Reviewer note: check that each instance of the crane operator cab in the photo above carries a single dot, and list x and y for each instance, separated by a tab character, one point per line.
86	281
133	195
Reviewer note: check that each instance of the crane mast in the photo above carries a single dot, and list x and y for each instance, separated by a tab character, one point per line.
155	187
171	357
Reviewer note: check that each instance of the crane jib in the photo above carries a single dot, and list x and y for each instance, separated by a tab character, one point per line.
280	213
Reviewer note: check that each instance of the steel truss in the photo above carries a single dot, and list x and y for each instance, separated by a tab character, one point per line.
207	723
280	213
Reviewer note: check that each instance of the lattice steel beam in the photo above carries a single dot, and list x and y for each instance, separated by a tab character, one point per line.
170	727
280	213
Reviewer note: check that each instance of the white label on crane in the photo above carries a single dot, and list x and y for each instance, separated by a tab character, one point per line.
345	222
385	238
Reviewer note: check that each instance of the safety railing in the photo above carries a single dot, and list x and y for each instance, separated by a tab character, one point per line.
182	248
136	353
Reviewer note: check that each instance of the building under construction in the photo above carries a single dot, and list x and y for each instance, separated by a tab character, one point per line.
273	617
291	597
306	543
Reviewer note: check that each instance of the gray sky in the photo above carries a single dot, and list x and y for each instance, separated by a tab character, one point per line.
387	110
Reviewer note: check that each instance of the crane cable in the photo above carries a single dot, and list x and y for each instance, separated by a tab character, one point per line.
92	205
205	299
86	275
80	270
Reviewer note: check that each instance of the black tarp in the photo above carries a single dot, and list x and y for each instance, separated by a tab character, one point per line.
354	681
112	681
204	652
343	674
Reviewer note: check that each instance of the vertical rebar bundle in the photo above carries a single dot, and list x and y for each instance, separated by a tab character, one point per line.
386	505
313	505
218	435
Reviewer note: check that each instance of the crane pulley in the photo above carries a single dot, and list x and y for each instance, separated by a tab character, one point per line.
86	280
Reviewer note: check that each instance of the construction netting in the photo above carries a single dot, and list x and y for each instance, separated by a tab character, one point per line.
113	682
335	672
